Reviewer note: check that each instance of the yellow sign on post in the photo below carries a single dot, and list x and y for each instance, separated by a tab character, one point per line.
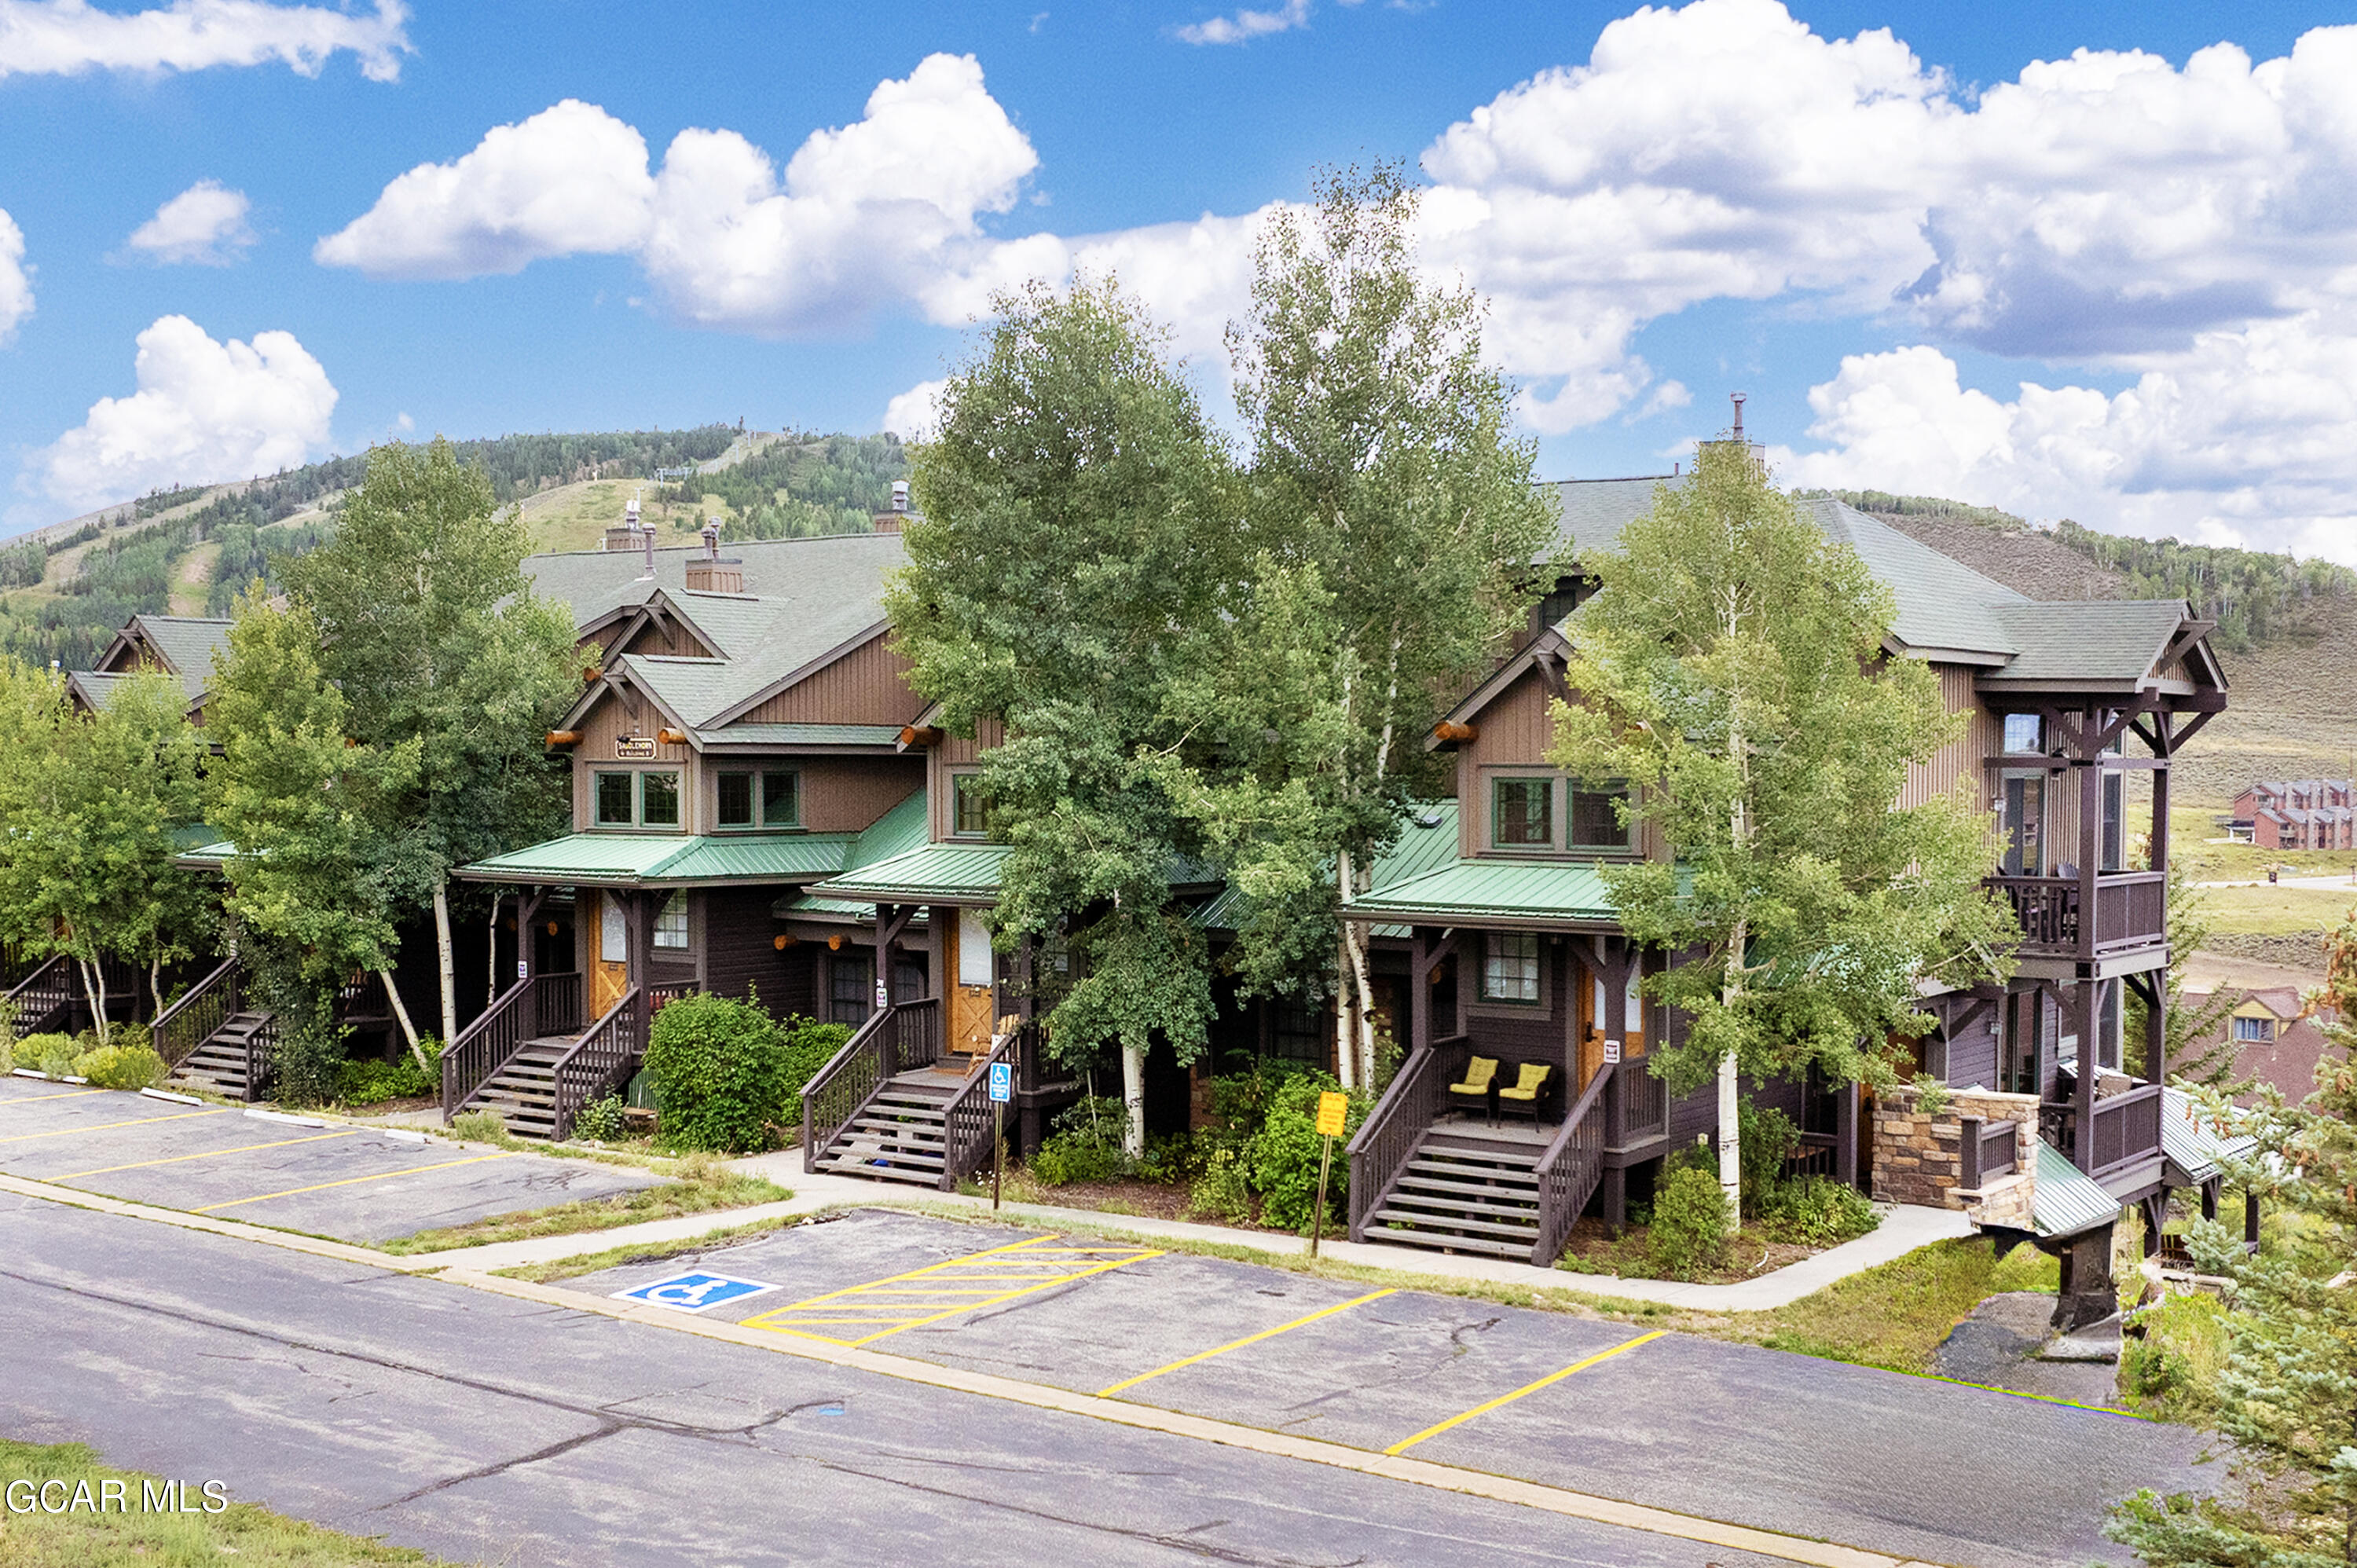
1331	1110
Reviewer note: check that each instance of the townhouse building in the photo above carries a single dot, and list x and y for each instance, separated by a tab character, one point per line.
2296	814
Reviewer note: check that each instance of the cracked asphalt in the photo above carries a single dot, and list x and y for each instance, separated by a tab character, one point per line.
484	1428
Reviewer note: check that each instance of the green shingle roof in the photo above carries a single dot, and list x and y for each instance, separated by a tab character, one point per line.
2113	642
188	644
98	687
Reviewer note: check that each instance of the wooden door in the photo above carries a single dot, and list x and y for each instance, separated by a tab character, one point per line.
1590	1035
609	967
970	966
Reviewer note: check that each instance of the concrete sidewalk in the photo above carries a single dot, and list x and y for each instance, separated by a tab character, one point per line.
1903	1229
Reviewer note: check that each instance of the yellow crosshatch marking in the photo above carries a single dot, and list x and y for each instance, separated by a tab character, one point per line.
944	1289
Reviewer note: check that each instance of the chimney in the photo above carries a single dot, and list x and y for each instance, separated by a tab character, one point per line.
890	521
899	495
1736	435
708	573
626	537
647	542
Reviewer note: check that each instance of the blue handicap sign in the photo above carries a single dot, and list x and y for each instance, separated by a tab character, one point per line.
694	1292
1002	1081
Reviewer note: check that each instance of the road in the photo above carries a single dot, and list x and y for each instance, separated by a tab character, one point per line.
480	1426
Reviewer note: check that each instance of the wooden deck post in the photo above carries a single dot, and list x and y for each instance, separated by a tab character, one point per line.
2085	1001
1846	1135
1419	991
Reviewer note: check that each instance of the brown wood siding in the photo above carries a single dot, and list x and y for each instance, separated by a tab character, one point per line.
670	641
953	753
1513	731
609	721
1517	1034
867	685
1959	758
1972	1055
740	955
839	794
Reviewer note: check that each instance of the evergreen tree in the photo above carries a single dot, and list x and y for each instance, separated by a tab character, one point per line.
1076	556
2287	1399
1730	670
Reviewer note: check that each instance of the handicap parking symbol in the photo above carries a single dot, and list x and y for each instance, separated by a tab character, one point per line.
694	1292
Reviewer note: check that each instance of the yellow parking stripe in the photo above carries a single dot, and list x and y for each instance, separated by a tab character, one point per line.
103	1126
1551	1377
1240	1344
900	1302
205	1154
349	1181
68	1094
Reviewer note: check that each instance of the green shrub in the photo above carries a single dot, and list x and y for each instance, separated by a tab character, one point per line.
602	1120
1282	1157
1175	1156
1765	1139
52	1053
132	1066
7	1036
1084	1145
1817	1211
810	1045
305	1063
1689	1233
373	1083
1220	1192
720	1068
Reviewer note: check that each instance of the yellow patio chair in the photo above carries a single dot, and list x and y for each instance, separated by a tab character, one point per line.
1523	1094
1479	1073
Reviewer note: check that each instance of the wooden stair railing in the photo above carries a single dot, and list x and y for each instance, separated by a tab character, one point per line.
484	1046
1570	1170
199	1012
835	1094
967	1120
1386	1139
45	993
599	1061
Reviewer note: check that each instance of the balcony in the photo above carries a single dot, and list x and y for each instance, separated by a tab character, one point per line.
2131	913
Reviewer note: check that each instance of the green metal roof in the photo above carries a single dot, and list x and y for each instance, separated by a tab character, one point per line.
2191	1140
2065	1200
650	858
800	734
1487	890
897	832
1427	842
946	873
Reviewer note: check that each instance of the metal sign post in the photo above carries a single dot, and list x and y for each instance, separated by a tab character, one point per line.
1002	1090
1332	1109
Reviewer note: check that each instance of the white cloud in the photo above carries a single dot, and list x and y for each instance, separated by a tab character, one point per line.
205	224
864	213
915	415
204	412
1247	24
67	37
571	178
2249	437
16	278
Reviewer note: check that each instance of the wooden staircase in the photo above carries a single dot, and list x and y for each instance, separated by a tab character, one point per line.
217	1065
1463	1192
524	1090
900	1134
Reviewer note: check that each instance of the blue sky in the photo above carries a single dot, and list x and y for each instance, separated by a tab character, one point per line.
1880	238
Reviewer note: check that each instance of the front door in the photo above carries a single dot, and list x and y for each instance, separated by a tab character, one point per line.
972	969
609	972
1590	1025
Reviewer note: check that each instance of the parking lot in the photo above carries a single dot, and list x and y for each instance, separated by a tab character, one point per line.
1905	1465
354	1184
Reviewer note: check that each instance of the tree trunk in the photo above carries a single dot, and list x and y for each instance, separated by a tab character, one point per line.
1354	947
156	986
491	949
401	1015
93	988
1132	1101
1730	1142
449	974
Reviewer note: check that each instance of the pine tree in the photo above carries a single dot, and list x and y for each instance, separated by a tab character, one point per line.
2287	1399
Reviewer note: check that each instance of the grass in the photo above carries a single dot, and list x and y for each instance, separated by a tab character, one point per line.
2275	911
644	1252
575	517
84	1537
1893	1315
703	1186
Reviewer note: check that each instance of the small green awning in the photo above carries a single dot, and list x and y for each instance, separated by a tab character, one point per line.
2064	1199
930	874
666	859
1494	893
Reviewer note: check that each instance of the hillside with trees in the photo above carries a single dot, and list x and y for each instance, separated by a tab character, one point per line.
67	589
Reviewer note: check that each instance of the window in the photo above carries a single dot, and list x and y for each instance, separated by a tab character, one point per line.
736	791
2114	848
1596	817
2255	1031
967	817
1298	1032
659	800
616	808
782	800
671	925
2023	734
2108	1026
1521	813
2024	811
850	989
1510	967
